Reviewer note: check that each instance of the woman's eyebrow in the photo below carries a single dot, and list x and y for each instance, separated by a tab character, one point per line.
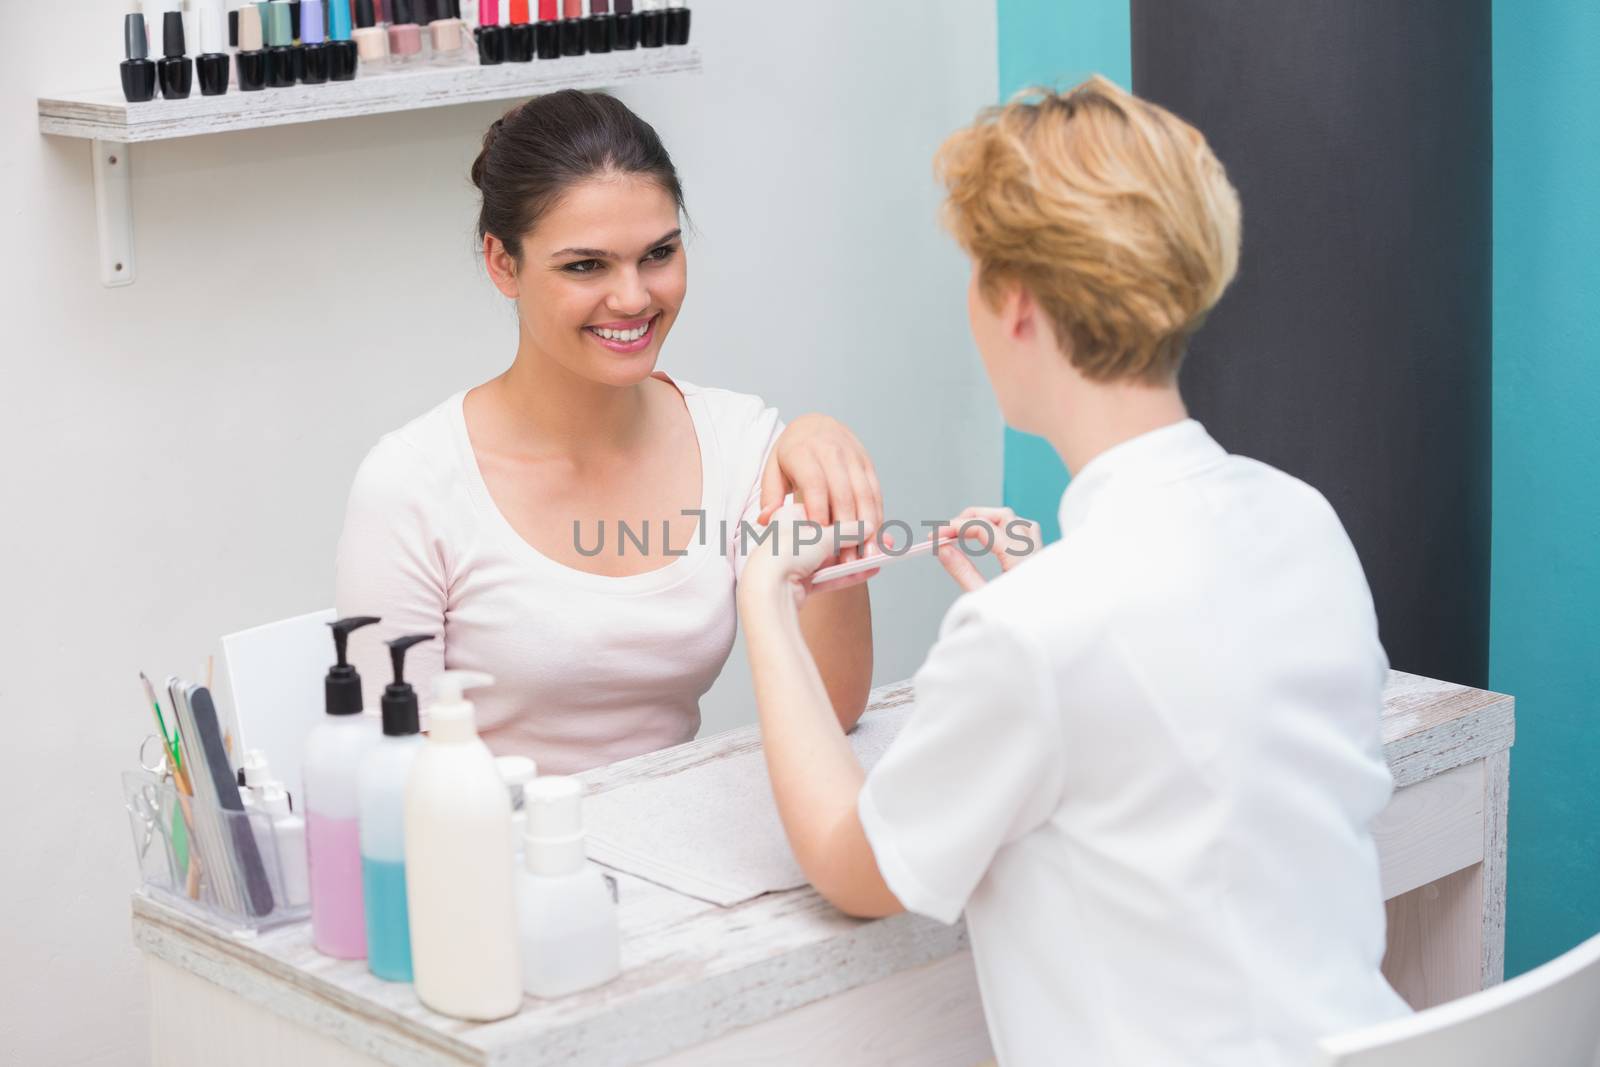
600	253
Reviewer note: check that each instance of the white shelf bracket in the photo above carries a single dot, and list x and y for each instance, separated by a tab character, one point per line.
113	211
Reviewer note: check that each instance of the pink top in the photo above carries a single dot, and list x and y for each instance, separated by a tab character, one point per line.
589	669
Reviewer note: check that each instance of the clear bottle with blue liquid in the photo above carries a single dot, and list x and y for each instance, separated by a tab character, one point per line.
382	794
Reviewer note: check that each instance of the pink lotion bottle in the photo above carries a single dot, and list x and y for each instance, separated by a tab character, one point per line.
335	750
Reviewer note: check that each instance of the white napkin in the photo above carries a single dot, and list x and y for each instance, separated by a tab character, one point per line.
713	832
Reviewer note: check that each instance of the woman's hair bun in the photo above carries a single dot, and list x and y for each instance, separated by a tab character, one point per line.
538	149
483	153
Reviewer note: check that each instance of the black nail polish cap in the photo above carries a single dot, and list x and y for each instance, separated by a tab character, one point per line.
547	35
491	45
342	61
598	32
625	31
652	29
571	37
172	42
677	28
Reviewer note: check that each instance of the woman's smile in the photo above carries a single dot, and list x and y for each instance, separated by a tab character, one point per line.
626	337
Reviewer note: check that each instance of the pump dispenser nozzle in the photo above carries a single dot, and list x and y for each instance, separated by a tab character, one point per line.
399	699
450	716
342	687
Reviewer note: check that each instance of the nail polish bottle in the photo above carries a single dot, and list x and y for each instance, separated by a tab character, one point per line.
372	44
572	36
625	30
547	34
138	73
405	36
652	24
280	55
677	30
175	70
519	35
313	43
250	62
491	35
341	49
446	35
599	26
212	63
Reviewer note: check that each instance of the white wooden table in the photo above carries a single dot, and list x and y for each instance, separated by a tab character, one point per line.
784	978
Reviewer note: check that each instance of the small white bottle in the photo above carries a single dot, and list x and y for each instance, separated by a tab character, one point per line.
254	775
516	772
566	914
459	878
278	830
289	837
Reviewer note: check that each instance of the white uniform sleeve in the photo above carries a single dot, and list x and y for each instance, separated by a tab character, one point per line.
978	765
389	565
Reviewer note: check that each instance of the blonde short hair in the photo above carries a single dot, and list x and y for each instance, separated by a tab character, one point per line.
1111	211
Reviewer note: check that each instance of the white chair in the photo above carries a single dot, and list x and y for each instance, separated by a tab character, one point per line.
1548	1017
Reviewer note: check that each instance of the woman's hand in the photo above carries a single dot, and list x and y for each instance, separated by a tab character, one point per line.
995	530
819	460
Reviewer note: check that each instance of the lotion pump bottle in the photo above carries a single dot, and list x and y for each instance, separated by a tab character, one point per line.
333	847
566	914
459	878
381	789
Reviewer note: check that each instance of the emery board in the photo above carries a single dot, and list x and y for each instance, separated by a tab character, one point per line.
242	845
216	866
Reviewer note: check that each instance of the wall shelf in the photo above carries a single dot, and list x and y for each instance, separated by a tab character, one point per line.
104	117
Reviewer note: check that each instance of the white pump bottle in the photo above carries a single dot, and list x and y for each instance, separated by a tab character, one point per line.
459	884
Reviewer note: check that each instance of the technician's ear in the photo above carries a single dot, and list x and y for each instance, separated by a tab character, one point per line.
1019	313
501	266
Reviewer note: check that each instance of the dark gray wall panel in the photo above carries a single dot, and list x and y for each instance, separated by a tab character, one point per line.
1354	349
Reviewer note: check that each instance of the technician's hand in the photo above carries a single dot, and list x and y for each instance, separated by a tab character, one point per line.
779	568
994	530
819	460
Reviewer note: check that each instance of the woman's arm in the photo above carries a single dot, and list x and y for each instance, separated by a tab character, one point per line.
837	628
385	566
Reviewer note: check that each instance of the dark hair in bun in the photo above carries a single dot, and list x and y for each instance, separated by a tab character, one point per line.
534	152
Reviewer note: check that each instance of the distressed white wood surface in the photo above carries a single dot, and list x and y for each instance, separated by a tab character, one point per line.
106	115
1430	726
1497	792
928	1016
1431	829
695	973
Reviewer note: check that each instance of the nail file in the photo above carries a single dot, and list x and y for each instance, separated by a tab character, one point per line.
217	867
874	562
243	845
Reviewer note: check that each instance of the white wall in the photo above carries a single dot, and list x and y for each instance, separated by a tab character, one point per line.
176	454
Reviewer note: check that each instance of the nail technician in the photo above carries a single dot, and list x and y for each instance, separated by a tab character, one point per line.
1143	760
479	521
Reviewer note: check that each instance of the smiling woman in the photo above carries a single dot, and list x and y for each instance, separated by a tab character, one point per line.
467	522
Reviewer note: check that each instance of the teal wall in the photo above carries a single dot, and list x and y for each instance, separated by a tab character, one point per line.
1544	640
1545	571
1056	43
